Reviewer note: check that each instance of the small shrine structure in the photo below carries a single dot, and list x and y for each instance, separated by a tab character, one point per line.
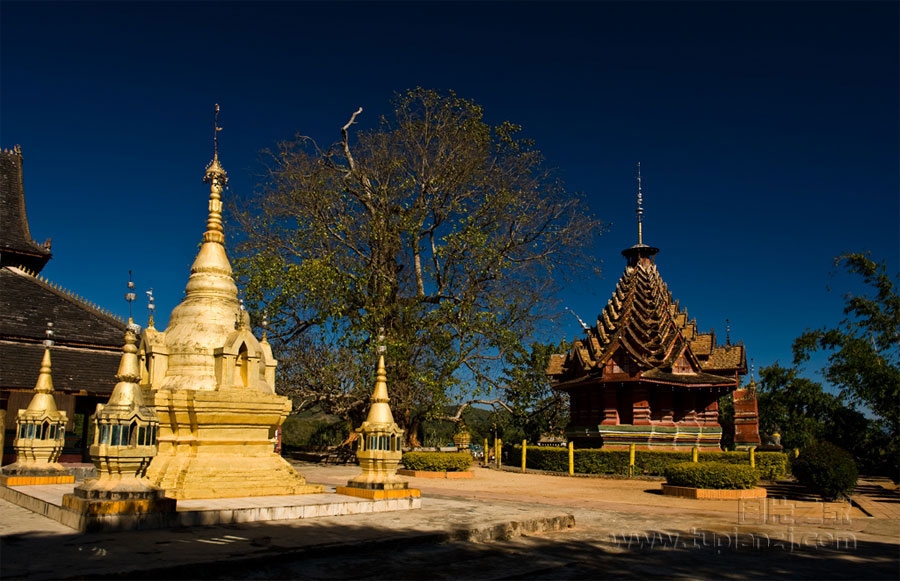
212	383
40	433
124	444
644	374
380	449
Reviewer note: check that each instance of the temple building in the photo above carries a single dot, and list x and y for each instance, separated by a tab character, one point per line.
212	383
87	338
644	374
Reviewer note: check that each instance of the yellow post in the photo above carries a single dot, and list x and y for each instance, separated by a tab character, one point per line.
796	452
571	458
499	452
524	447
630	460
485	459
753	457
496	453
695	454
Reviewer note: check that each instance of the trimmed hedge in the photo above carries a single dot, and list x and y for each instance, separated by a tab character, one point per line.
715	475
437	461
771	465
827	470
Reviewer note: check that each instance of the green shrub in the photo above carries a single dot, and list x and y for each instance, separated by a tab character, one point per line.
717	475
437	461
827	470
771	465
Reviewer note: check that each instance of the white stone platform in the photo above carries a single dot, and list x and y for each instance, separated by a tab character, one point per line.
46	500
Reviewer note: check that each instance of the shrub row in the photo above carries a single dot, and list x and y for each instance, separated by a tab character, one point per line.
718	475
437	461
771	465
827	470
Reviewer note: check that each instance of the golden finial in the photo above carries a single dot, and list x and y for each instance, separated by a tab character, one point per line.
45	378
150	308
218	180
130	296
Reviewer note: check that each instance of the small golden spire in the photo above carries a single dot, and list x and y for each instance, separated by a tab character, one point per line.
218	180
45	378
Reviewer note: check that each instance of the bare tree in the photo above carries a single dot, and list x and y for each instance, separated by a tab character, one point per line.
444	231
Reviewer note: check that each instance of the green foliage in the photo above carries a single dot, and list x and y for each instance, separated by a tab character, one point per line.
864	348
795	407
827	470
437	461
447	233
715	475
770	465
313	433
534	407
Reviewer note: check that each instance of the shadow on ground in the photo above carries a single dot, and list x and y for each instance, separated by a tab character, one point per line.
571	554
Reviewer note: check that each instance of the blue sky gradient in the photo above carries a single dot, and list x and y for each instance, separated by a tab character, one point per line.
767	132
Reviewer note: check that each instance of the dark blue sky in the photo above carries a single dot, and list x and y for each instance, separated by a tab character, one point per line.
767	132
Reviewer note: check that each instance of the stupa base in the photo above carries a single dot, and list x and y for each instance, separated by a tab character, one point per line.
227	476
378	494
27	474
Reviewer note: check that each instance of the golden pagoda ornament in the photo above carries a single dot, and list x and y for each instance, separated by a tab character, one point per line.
40	434
213	383
380	449
124	444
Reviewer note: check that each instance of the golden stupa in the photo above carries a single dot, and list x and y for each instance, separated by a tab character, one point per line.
213	384
40	434
380	449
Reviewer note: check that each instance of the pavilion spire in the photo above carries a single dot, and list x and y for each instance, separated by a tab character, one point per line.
639	251
640	206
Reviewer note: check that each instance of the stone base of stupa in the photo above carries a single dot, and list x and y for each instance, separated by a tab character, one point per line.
377	486
228	476
32	474
220	444
99	499
378	490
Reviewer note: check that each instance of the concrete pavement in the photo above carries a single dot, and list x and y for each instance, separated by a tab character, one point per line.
539	526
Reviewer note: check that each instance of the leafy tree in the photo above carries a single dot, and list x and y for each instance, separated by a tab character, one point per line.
443	231
796	407
534	406
864	348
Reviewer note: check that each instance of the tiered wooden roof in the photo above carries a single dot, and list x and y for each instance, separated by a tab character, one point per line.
88	340
16	246
642	334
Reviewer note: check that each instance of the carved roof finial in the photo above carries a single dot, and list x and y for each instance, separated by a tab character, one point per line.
640	206
218	180
640	250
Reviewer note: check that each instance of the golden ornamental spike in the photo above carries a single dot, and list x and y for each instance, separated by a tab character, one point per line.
217	179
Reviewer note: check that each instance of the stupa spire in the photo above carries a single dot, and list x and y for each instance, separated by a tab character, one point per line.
217	179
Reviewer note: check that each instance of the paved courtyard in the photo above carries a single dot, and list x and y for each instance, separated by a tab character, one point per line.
622	528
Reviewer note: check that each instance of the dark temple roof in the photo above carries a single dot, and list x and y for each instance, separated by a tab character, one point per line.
16	246
88	341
